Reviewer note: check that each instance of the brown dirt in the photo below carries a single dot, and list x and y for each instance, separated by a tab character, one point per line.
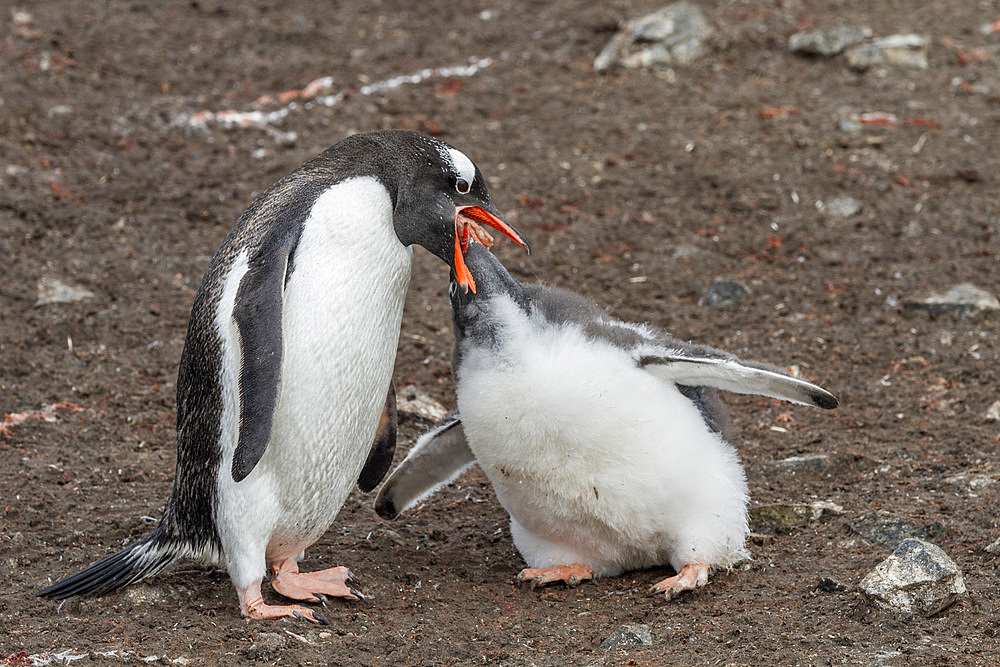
608	175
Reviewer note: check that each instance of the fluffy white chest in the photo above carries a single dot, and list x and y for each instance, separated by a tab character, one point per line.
340	328
596	460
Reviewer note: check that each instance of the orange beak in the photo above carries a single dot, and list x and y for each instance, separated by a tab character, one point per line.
469	221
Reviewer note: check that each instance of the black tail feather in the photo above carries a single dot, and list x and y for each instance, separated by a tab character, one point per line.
138	561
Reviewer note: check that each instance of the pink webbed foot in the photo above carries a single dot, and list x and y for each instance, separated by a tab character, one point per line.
691	576
572	575
252	606
312	586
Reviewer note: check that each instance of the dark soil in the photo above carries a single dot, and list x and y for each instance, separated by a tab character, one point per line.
636	188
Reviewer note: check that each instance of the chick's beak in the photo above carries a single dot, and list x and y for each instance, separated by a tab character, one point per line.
469	221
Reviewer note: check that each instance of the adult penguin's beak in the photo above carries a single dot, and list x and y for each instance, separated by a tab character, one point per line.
469	221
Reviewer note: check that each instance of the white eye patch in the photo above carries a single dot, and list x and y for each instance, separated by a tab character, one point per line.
462	166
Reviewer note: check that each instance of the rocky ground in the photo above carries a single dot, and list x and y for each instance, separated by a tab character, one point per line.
794	207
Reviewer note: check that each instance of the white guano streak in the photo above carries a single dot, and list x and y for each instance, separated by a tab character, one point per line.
309	96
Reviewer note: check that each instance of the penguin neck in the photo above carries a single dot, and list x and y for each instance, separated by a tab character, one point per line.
499	321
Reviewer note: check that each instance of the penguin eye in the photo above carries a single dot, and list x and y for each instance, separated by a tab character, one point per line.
462	186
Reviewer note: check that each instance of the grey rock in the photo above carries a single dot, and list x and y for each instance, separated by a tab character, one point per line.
674	35
993	547
53	290
830	585
626	636
897	50
59	110
913	230
992	413
918	578
842	207
724	293
139	595
266	646
826	43
795	464
973	481
964	300
393	537
783	517
887	530
687	252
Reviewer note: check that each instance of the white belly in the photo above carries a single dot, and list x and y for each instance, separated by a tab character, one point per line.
342	310
597	461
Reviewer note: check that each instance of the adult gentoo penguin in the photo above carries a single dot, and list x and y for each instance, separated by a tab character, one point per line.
288	360
606	441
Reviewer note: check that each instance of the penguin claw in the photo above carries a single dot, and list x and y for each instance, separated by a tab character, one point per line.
311	616
313	586
359	595
572	575
691	577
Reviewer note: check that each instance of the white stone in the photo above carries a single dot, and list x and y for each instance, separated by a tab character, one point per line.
966	294
674	34
53	290
965	300
410	402
918	578
898	50
973	481
826	43
842	207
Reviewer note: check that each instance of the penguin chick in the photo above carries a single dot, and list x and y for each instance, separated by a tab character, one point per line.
605	441
287	364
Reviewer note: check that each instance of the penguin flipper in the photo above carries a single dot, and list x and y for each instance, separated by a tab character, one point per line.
380	457
730	374
437	458
257	312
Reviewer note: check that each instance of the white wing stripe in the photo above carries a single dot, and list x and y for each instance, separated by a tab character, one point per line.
731	375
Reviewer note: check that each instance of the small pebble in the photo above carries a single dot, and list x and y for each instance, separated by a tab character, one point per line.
828	585
53	290
898	50
724	294
842	207
826	43
626	636
964	300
